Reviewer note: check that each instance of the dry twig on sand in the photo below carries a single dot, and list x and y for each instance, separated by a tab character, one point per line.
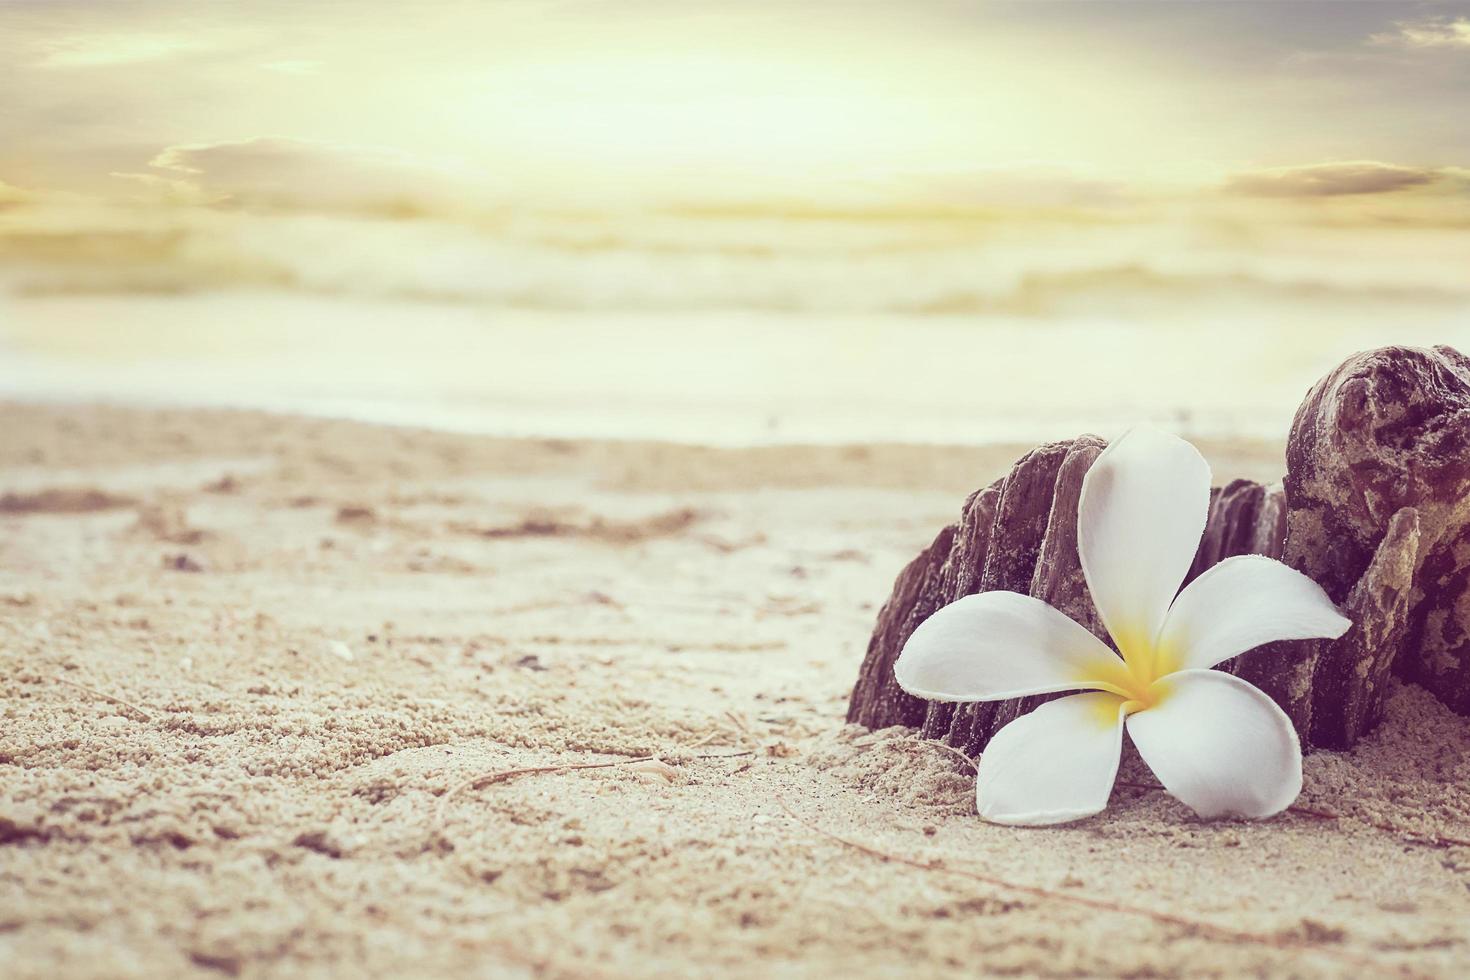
541	524
106	697
1297	809
1411	836
971	764
500	776
1197	927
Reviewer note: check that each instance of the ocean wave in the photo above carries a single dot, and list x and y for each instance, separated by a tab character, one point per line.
672	262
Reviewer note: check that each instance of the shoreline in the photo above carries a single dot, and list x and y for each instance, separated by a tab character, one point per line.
1257	457
728	377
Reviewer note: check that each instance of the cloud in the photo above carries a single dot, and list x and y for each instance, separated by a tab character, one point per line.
105	50
1432	32
1037	185
296	66
153	188
9	192
1338	179
271	171
11	195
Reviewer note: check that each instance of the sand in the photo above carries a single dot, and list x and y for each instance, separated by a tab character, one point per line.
249	663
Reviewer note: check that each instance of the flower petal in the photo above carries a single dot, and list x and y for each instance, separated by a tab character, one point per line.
1054	765
998	645
1220	745
1239	604
1139	522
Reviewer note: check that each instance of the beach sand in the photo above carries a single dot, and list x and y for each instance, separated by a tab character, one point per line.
250	663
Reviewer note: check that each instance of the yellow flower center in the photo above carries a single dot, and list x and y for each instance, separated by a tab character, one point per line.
1137	677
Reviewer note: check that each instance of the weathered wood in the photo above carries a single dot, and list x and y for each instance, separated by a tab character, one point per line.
959	575
1375	506
1021	518
877	700
1058	577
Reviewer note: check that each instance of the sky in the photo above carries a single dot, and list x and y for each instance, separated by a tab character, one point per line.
987	219
447	103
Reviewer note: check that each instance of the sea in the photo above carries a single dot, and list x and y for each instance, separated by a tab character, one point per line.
719	325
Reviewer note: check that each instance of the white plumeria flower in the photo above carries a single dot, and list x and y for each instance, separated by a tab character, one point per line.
1214	741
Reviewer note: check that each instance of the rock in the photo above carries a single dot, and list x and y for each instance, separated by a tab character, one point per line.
183	562
61	500
20	822
323	841
356	514
167	520
1385	434
1375	507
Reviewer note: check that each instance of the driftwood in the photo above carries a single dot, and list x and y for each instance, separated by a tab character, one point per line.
1375	506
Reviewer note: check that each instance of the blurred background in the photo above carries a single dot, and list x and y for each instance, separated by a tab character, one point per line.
722	222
